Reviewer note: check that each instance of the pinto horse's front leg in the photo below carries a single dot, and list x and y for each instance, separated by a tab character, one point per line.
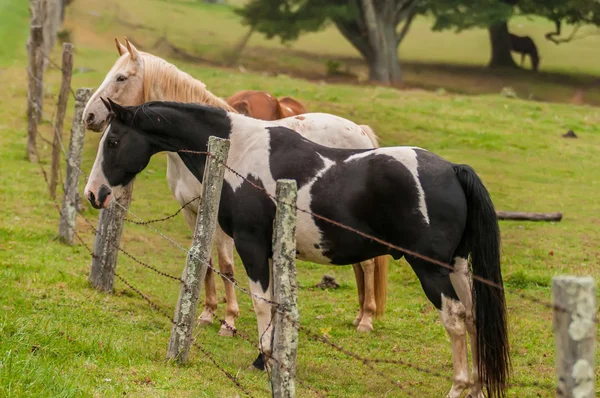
254	249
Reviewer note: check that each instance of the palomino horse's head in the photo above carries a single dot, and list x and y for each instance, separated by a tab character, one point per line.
123	152
124	84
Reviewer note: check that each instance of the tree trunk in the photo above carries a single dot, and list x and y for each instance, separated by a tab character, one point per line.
374	35
500	46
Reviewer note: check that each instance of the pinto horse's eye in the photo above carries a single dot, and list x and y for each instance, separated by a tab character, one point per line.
121	78
113	143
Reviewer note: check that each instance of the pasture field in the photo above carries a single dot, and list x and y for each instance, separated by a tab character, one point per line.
60	338
431	60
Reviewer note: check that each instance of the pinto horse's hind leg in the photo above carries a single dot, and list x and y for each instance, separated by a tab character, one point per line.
225	253
463	284
439	290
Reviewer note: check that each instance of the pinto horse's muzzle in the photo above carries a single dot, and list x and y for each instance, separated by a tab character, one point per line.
104	194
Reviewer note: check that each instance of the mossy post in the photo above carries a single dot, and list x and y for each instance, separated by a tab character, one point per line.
200	253
575	333
68	212
285	292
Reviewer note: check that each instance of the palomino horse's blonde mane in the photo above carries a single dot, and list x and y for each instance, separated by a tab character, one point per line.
177	85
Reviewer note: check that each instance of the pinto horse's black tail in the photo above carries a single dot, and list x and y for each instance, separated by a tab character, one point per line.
482	235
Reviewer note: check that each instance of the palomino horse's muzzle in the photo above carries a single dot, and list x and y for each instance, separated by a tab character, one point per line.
103	197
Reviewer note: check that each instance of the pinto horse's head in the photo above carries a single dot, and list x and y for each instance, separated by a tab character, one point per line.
124	84
123	152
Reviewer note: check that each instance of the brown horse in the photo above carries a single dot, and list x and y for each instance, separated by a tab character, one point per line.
264	106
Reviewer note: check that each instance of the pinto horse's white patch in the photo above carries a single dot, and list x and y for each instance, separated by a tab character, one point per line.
407	156
308	236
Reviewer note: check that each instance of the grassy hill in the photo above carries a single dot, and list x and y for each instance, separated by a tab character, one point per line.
60	338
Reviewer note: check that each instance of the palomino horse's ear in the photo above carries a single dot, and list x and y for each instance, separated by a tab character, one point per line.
132	50
120	48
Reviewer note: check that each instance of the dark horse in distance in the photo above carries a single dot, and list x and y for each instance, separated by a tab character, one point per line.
525	46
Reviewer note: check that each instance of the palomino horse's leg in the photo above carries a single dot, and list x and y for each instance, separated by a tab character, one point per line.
463	284
210	301
210	291
225	253
369	305
359	275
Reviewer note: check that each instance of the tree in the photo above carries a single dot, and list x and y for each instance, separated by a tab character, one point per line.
576	13
467	14
374	27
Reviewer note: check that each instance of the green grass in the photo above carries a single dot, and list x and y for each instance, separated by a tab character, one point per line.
431	60
58	337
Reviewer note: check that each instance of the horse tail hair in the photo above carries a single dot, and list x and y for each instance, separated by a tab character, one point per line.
482	236
371	134
380	278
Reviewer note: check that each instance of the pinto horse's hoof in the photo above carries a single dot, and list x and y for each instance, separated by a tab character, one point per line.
259	363
204	322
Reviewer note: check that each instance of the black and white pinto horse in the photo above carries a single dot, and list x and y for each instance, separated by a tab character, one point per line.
403	195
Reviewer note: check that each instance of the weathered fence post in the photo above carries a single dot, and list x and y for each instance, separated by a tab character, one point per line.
575	333
36	76
285	289
63	98
199	254
107	241
69	203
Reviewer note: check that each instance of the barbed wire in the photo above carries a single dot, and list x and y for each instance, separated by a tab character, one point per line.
131	256
162	312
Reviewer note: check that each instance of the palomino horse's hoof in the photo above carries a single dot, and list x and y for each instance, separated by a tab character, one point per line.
204	321
364	328
226	332
356	321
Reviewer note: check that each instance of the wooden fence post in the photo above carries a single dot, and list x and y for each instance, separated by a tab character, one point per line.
63	99
70	198
285	320
36	76
107	241
199	254
575	333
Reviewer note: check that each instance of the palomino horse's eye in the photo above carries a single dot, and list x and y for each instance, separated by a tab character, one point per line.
113	143
121	78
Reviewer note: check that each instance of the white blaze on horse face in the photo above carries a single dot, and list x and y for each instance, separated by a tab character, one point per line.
123	84
96	178
407	156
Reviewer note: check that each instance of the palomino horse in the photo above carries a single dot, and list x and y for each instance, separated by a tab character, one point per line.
417	201
262	105
525	46
137	77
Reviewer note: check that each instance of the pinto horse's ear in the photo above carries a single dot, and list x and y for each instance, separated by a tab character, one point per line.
121	113
106	104
121	49
133	52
